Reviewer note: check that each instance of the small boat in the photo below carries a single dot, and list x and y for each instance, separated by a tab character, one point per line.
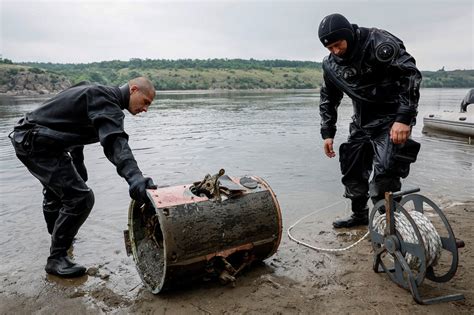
460	124
453	123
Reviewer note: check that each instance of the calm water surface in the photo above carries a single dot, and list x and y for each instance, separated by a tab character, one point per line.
185	136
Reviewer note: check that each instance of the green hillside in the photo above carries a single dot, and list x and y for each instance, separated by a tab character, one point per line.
192	74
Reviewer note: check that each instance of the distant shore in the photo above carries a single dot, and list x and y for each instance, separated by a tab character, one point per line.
191	92
216	75
184	92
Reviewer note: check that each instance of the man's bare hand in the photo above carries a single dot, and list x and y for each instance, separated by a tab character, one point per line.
399	133
328	147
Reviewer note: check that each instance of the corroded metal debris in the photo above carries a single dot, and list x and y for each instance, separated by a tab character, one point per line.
211	229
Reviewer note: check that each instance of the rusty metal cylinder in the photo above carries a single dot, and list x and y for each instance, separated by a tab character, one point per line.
179	236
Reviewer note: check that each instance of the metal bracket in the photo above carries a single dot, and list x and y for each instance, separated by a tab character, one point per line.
209	186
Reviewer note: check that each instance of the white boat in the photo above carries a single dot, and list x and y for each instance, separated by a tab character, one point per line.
451	123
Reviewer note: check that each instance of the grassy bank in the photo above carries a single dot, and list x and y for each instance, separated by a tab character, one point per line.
233	74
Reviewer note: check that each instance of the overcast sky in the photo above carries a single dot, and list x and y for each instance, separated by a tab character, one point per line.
436	33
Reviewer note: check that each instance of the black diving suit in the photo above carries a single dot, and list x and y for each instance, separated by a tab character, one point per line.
50	140
383	83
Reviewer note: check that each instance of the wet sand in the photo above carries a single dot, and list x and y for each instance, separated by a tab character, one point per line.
296	280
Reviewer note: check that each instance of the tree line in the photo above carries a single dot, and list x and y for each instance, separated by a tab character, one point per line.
216	63
217	73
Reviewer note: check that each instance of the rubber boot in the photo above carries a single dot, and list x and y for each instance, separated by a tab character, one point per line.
356	219
50	218
352	221
51	207
67	225
64	267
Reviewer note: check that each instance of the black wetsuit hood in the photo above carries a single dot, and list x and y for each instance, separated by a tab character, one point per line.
336	27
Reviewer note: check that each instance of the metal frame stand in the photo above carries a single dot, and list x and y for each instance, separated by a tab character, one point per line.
390	243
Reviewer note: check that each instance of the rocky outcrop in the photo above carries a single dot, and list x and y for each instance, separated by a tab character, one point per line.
31	81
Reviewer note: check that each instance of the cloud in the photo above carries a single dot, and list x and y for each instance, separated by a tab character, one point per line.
437	33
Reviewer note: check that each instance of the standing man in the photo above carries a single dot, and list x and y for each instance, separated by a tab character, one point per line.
372	67
50	140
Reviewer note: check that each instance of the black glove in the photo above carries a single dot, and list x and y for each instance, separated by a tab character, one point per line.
138	187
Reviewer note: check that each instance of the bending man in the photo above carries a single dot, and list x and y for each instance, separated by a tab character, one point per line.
50	140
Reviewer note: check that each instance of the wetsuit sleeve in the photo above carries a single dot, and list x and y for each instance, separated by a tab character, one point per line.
330	99
118	152
409	78
108	120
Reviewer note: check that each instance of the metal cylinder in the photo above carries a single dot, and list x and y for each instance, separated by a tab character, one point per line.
178	236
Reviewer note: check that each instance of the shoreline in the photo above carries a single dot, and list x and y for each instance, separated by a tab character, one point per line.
295	280
210	91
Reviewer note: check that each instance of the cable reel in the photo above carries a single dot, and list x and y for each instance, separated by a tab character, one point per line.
407	246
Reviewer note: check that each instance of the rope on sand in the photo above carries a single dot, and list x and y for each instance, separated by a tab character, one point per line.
431	238
330	250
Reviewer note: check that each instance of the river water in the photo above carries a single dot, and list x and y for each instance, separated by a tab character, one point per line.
186	135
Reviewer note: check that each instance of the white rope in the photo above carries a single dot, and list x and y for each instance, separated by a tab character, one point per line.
330	250
431	238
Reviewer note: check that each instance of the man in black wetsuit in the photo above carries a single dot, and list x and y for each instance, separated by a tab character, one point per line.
372	67
50	140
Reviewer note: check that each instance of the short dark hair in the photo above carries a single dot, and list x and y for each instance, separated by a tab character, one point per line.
143	84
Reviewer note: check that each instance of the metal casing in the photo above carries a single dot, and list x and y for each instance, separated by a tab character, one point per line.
175	237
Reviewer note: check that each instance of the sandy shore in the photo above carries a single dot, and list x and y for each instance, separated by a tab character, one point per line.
296	280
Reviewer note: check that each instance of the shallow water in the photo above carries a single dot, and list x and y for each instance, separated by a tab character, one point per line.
185	136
